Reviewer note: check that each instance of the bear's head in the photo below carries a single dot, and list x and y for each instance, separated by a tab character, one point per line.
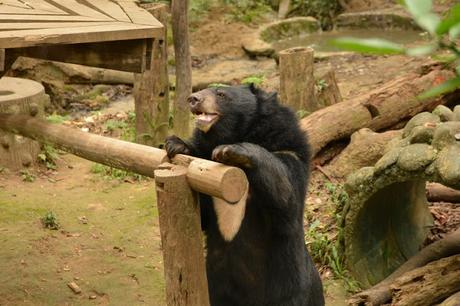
225	107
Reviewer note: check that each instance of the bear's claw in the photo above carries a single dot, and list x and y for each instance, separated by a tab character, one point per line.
174	145
234	155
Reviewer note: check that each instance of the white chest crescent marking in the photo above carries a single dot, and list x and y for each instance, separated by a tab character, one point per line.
229	216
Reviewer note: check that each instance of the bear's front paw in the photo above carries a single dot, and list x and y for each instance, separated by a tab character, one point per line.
174	145
234	155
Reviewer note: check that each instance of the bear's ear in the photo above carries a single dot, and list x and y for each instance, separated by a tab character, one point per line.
267	102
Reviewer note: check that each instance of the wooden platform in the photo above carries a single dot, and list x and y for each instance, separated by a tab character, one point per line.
113	34
26	23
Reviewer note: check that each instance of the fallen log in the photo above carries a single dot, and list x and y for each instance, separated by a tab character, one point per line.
377	110
453	300
439	193
381	293
428	285
40	70
365	149
228	183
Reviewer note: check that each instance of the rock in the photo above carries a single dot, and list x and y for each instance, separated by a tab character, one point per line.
289	28
378	19
425	118
445	134
416	157
457	113
444	113
421	134
387	160
255	47
448	166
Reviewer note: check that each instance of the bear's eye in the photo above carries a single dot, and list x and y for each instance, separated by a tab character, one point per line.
220	94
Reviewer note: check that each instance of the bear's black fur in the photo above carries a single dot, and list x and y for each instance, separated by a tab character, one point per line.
267	262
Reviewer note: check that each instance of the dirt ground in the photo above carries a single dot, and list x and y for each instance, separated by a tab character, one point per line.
109	241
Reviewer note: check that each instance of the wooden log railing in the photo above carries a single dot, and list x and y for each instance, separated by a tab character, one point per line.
179	214
205	176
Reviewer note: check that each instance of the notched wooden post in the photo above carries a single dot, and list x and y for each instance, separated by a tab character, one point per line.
181	236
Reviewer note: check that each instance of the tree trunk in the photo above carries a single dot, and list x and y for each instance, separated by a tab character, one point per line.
225	182
283	9
20	96
428	285
68	73
160	66
181	238
179	11
377	110
297	83
439	193
328	92
381	293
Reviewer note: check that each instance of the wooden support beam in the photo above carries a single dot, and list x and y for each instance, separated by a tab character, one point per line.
225	182
181	238
118	55
2	60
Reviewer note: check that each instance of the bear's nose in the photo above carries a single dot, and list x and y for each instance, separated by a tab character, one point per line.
193	100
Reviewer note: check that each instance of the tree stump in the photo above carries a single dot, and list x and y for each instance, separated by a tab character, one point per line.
297	83
20	96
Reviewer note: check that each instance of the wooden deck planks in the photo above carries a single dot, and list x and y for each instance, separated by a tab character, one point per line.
43	5
137	14
110	8
82	10
38	22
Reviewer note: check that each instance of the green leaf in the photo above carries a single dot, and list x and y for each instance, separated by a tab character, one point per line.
444	88
453	18
457	70
418	7
371	45
454	31
428	22
422	50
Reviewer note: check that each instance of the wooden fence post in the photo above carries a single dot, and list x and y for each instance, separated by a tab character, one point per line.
181	237
297	83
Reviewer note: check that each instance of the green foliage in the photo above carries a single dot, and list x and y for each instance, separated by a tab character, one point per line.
113	173
247	10
302	113
56	118
50	221
27	176
254	79
48	156
323	10
443	31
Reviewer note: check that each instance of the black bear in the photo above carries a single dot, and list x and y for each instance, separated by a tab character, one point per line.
256	253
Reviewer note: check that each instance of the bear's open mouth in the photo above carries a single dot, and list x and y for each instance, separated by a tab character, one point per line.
204	121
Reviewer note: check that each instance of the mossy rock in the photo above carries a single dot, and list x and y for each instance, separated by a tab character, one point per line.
386	219
381	19
289	28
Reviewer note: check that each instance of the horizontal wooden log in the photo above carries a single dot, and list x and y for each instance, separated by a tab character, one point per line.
381	293
378	109
428	285
225	182
439	193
